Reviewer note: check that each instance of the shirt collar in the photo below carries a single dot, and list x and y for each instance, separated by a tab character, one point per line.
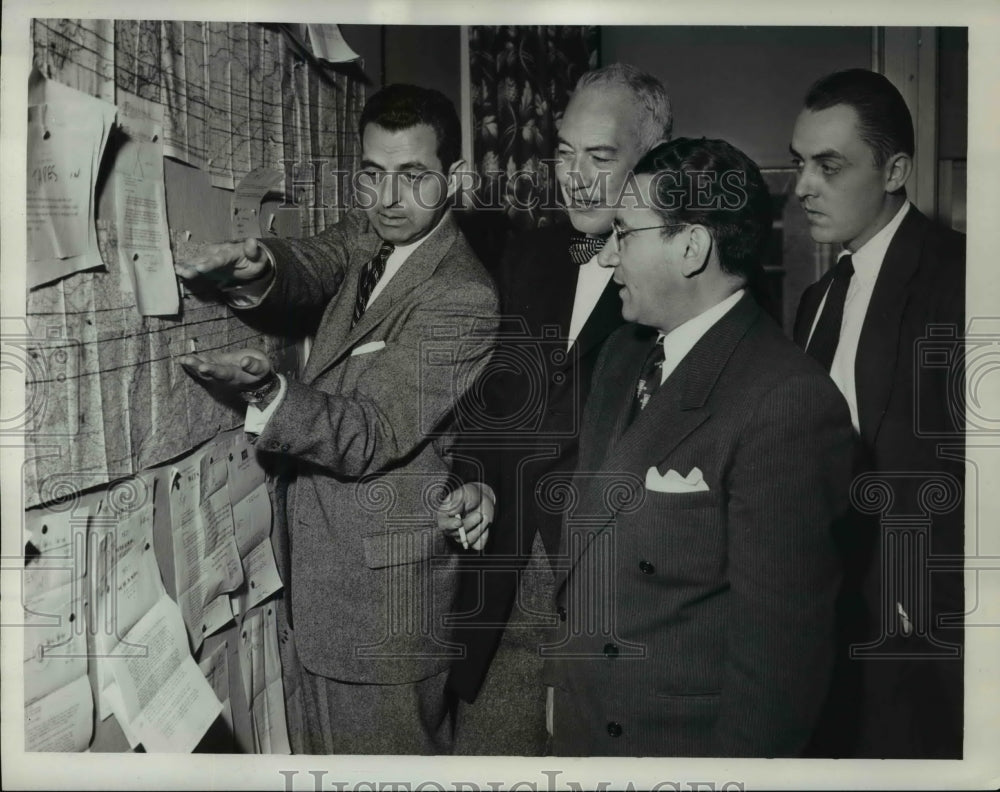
867	259
404	251
679	341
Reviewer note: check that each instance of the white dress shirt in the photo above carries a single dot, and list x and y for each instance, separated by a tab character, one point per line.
679	341
590	283
867	261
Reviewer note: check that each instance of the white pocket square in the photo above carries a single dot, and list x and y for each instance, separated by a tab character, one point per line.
371	346
672	481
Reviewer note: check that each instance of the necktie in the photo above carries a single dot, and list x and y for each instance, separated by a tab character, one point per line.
823	343
649	379
370	274
583	248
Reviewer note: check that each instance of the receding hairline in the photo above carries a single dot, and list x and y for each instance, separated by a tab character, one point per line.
623	99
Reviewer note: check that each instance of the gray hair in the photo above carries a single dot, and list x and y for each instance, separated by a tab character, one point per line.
654	116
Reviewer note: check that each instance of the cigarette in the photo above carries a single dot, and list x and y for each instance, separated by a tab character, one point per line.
463	537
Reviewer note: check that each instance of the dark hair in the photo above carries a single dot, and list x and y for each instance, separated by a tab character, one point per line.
400	106
714	184
884	121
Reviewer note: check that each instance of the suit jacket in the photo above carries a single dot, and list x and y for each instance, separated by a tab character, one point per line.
909	378
532	409
701	623
371	577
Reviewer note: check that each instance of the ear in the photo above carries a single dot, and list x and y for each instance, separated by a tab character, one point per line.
697	251
897	170
455	176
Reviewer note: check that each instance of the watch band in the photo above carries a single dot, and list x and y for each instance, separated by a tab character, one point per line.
270	384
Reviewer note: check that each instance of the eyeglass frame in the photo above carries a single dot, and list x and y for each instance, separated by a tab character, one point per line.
618	234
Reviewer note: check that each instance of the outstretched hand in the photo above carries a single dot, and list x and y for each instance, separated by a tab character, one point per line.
234	370
225	263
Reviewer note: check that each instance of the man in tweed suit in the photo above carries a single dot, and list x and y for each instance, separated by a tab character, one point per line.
698	570
408	316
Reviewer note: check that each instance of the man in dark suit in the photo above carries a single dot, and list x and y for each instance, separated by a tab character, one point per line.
867	320
558	307
408	317
698	572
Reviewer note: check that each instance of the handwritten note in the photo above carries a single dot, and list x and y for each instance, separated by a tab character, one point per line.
67	134
58	705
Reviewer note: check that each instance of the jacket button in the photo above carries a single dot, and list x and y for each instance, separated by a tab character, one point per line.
285	446
610	650
615	729
562	613
646	568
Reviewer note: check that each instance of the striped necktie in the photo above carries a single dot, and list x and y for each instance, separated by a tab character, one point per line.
370	274
649	379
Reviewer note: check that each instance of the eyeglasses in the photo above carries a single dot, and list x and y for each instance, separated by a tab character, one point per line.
619	232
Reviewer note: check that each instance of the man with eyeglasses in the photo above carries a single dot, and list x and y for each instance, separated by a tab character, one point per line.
699	572
370	572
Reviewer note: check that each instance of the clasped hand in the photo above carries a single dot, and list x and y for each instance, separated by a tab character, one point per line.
466	514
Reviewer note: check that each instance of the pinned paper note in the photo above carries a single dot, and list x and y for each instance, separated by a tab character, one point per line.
141	210
67	134
327	43
165	702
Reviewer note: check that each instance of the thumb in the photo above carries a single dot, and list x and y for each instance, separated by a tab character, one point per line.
251	249
252	365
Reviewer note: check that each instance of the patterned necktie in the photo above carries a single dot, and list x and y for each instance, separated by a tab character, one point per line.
583	248
649	379
823	343
370	274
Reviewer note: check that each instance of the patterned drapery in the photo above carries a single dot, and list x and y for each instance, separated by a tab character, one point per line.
521	80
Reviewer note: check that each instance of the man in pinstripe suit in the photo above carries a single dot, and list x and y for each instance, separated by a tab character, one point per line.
698	572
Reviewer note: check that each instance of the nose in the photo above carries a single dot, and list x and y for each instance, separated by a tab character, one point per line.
389	189
608	255
573	174
804	184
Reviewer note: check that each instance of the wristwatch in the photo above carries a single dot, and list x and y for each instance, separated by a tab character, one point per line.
263	391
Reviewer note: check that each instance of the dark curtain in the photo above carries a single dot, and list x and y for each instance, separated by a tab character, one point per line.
522	78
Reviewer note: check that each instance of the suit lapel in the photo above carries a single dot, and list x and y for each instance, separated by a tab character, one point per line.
336	321
678	407
806	315
676	410
878	345
336	329
603	320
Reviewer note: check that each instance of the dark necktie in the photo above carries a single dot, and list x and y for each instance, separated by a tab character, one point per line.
370	274
649	379
823	343
583	248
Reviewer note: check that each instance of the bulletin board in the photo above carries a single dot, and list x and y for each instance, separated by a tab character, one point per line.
112	420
